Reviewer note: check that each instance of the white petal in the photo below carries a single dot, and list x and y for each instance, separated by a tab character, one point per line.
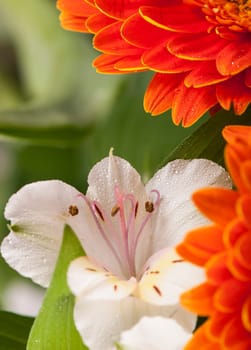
110	172
87	279
155	333
176	182
166	277
113	172
100	322
38	213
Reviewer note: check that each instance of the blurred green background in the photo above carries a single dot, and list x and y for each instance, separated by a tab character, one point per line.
58	116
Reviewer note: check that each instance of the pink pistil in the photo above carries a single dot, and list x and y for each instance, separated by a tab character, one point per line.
122	241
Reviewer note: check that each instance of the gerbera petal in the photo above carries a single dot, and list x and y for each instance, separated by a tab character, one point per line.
199	245
189	20
106	64
38	213
227	94
246	314
204	74
199	299
109	41
189	104
97	21
74	14
160	92
155	333
207	46
248	77
121	9
234	58
230	295
201	341
101	322
160	60
166	277
92	282
218	204
176	182
134	32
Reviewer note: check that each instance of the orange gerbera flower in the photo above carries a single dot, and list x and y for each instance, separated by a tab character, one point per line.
224	250
199	49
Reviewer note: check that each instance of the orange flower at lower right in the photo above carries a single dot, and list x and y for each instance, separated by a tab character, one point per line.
223	250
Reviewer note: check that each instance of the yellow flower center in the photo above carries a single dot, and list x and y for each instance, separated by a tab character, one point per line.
235	14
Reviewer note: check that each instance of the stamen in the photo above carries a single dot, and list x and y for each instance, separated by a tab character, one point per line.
94	208
115	209
157	290
136	209
149	207
73	210
98	211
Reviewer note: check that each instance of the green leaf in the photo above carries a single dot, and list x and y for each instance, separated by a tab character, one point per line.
207	142
54	328
135	135
14	331
42	126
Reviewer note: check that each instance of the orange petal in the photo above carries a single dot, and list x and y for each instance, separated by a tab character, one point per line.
217	204
234	161
246	314
160	92
199	245
97	22
233	133
199	299
234	58
234	91
216	269
190	104
215	325
105	64
200	341
121	9
248	77
246	174
134	31
235	337
109	41
182	19
160	60
230	296
130	64
244	209
204	74
233	232
200	47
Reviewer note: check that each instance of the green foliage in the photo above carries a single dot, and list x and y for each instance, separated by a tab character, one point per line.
14	331
207	142
54	328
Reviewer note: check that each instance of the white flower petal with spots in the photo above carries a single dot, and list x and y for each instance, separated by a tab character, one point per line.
128	231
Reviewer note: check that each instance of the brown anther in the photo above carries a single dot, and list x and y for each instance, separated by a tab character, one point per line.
149	207
157	290
177	261
73	210
136	209
115	209
115	287
90	269
99	212
154	272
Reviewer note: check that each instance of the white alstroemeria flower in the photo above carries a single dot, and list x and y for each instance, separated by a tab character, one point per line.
129	232
155	333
